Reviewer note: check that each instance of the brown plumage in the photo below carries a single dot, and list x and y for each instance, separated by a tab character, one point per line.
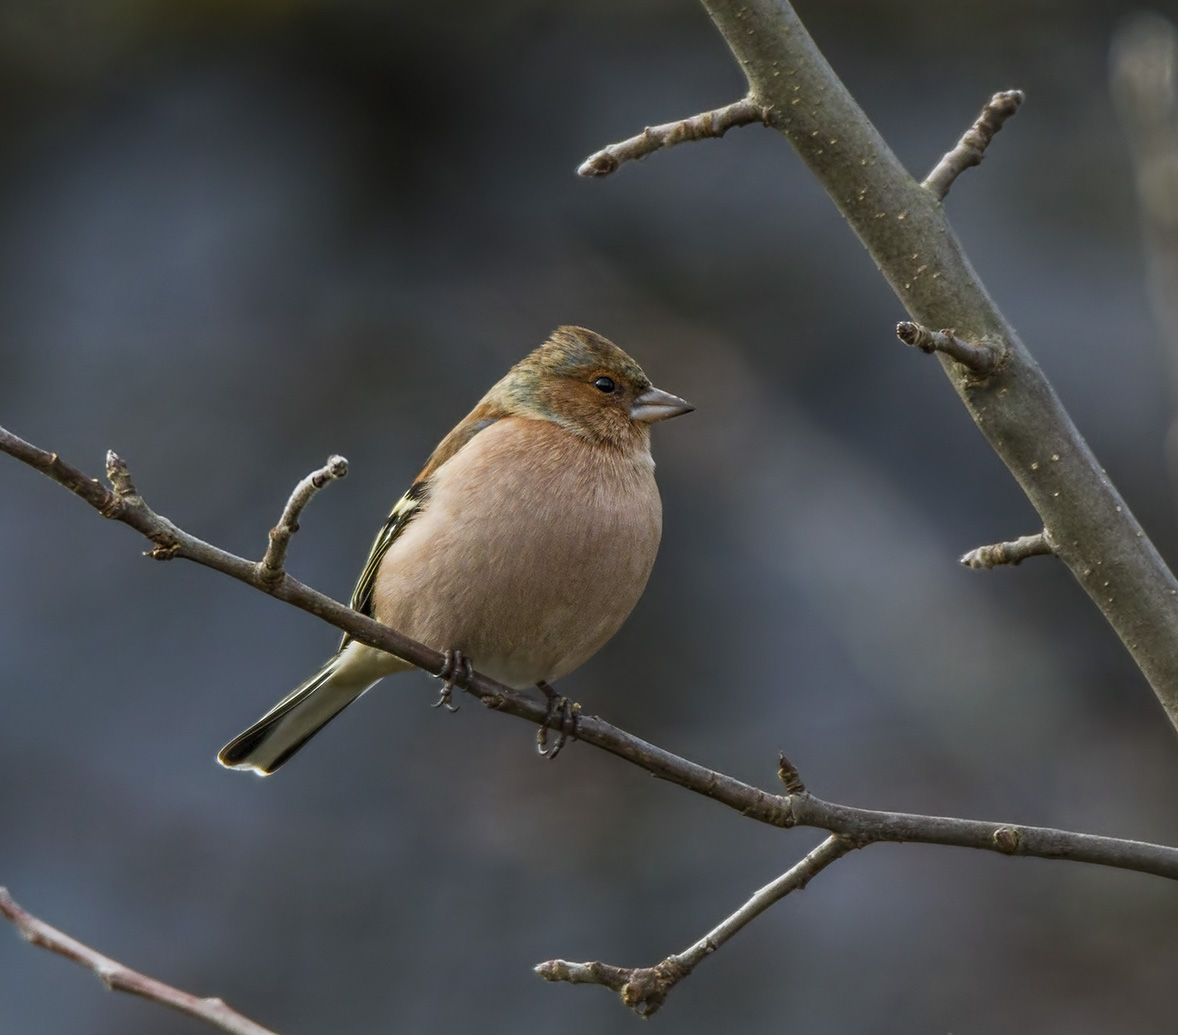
524	543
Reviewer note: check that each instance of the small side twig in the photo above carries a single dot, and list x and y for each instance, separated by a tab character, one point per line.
971	148
119	978
788	774
270	567
981	357
645	989
1008	553
697	127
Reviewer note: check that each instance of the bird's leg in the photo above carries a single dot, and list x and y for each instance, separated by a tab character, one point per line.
568	721
455	669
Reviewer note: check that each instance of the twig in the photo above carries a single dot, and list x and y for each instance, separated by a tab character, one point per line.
788	774
644	989
697	127
795	809
1008	553
981	357
971	148
271	565
905	231
119	978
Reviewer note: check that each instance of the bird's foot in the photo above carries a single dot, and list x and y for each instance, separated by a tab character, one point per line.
568	721
455	669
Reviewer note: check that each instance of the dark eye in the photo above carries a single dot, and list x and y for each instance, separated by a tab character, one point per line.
604	384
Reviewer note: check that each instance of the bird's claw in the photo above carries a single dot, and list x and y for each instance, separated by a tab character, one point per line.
568	722
455	669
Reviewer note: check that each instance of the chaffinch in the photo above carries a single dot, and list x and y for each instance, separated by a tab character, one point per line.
524	543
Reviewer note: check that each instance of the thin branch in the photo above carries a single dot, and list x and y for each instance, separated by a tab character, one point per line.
904	229
644	989
706	125
795	809
971	148
1008	553
173	542
271	565
982	357
119	978
788	774
866	826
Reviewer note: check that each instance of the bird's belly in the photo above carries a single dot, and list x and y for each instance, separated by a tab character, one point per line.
527	588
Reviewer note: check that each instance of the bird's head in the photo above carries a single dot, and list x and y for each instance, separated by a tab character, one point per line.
584	382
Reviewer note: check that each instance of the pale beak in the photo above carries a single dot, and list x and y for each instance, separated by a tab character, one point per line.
655	404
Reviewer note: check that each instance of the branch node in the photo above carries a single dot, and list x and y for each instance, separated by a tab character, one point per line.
164	550
270	567
1008	553
643	989
653	138
788	774
982	357
119	476
1007	840
971	148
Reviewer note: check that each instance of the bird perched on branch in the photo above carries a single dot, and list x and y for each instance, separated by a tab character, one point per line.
522	545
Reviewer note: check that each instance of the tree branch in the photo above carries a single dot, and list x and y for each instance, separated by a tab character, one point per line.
903	226
645	989
971	148
270	567
1008	553
852	827
697	127
981	358
119	978
797	808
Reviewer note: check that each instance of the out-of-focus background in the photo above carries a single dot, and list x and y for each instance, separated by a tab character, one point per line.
235	238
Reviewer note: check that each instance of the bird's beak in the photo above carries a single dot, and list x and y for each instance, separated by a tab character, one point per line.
655	404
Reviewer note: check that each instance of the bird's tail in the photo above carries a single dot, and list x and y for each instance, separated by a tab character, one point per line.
294	720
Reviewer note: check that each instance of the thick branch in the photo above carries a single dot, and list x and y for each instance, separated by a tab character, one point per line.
971	148
904	228
644	989
697	127
1008	553
122	979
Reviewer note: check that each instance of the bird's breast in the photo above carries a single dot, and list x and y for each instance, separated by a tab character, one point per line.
531	549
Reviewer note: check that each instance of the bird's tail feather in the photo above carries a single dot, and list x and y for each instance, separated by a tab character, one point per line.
294	720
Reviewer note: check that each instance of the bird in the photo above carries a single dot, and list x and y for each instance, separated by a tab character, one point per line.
521	547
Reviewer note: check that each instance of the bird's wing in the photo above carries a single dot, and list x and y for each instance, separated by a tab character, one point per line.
402	513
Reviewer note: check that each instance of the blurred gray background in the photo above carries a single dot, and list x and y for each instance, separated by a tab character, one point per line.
235	238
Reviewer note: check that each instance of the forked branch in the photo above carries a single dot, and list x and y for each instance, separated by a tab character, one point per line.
903	226
644	989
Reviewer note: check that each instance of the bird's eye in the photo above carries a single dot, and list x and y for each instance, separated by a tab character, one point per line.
604	384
